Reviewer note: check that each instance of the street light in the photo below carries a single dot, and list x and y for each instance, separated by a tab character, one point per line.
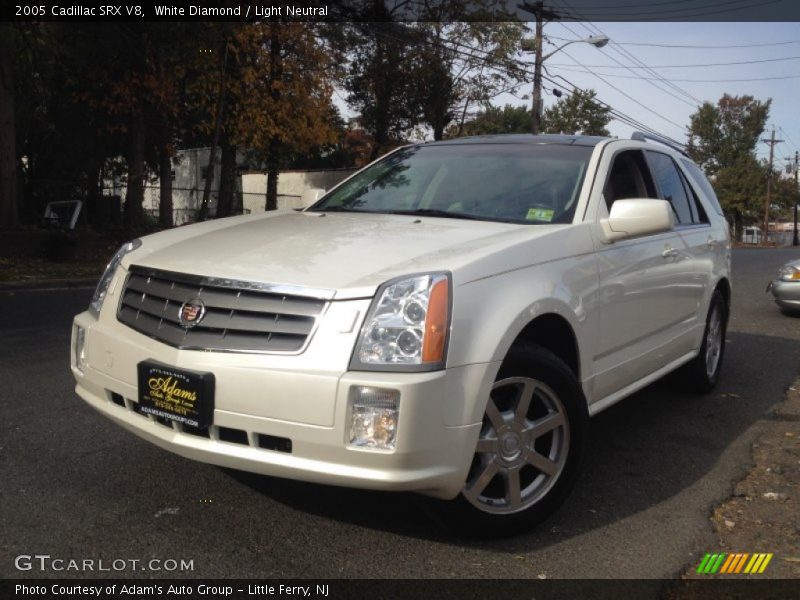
535	45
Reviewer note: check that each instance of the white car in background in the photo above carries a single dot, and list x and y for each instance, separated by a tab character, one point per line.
444	321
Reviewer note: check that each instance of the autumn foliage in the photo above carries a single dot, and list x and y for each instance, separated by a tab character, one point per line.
139	91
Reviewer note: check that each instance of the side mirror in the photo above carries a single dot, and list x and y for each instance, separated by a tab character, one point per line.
636	217
311	195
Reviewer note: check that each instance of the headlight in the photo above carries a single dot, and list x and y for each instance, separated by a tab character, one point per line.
407	326
789	273
102	286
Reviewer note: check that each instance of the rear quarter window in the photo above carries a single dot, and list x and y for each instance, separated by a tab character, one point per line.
665	172
699	178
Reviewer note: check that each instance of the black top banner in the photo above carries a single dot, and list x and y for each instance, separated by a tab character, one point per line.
407	10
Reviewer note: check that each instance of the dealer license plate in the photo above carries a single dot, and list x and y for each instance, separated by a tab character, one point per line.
176	394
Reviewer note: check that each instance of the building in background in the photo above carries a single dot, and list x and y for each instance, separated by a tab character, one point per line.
190	169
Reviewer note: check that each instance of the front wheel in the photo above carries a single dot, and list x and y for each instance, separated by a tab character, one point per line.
528	453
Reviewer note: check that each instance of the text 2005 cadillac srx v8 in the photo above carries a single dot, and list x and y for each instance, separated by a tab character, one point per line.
444	321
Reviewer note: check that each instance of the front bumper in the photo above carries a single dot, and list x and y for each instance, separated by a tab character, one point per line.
786	293
260	403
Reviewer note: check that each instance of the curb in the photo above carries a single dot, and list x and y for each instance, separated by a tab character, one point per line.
40	284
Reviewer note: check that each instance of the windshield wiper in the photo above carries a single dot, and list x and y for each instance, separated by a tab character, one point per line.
419	212
335	209
435	212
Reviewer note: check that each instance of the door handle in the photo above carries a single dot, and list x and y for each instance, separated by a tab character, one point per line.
712	243
669	252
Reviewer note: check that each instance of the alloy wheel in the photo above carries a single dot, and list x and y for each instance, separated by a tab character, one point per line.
713	341
522	448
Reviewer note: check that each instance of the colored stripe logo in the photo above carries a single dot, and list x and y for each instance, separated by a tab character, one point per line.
735	563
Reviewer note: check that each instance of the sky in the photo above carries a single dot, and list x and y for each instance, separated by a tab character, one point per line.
658	104
666	106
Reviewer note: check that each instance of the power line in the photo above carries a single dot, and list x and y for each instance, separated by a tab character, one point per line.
575	70
657	75
651	81
648	69
526	67
604	13
626	94
669	3
635	60
613	112
616	114
631	98
725	64
486	58
697	46
640	125
786	135
491	63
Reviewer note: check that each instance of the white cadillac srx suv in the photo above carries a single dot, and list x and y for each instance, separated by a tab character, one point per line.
444	321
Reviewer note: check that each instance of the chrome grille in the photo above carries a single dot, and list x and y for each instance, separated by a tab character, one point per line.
239	316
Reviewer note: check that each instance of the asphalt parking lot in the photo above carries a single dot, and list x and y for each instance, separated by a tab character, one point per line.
77	486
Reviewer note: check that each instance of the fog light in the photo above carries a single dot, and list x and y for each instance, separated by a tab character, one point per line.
373	417
79	347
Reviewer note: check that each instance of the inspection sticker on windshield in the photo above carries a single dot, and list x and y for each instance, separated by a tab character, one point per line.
539	214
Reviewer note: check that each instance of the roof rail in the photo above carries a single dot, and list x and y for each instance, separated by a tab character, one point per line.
643	137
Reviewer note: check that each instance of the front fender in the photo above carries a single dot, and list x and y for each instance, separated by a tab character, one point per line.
490	313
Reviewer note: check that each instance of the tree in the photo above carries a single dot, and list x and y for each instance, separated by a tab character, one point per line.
722	139
380	77
577	113
219	115
495	120
8	151
130	76
437	85
114	78
720	136
227	181
174	58
280	100
351	147
741	189
784	196
462	64
56	118
139	90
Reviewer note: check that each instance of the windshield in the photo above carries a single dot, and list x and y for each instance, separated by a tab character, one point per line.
515	183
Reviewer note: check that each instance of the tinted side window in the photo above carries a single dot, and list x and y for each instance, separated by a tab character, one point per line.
705	186
698	212
670	185
629	177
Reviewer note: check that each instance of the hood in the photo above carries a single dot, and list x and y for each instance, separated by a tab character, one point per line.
349	253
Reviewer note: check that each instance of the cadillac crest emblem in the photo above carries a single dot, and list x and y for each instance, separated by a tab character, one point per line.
191	313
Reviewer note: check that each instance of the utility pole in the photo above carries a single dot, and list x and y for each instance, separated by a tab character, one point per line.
536	109
541	13
796	166
771	141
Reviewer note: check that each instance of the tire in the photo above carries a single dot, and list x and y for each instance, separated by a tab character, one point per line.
527	458
702	373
